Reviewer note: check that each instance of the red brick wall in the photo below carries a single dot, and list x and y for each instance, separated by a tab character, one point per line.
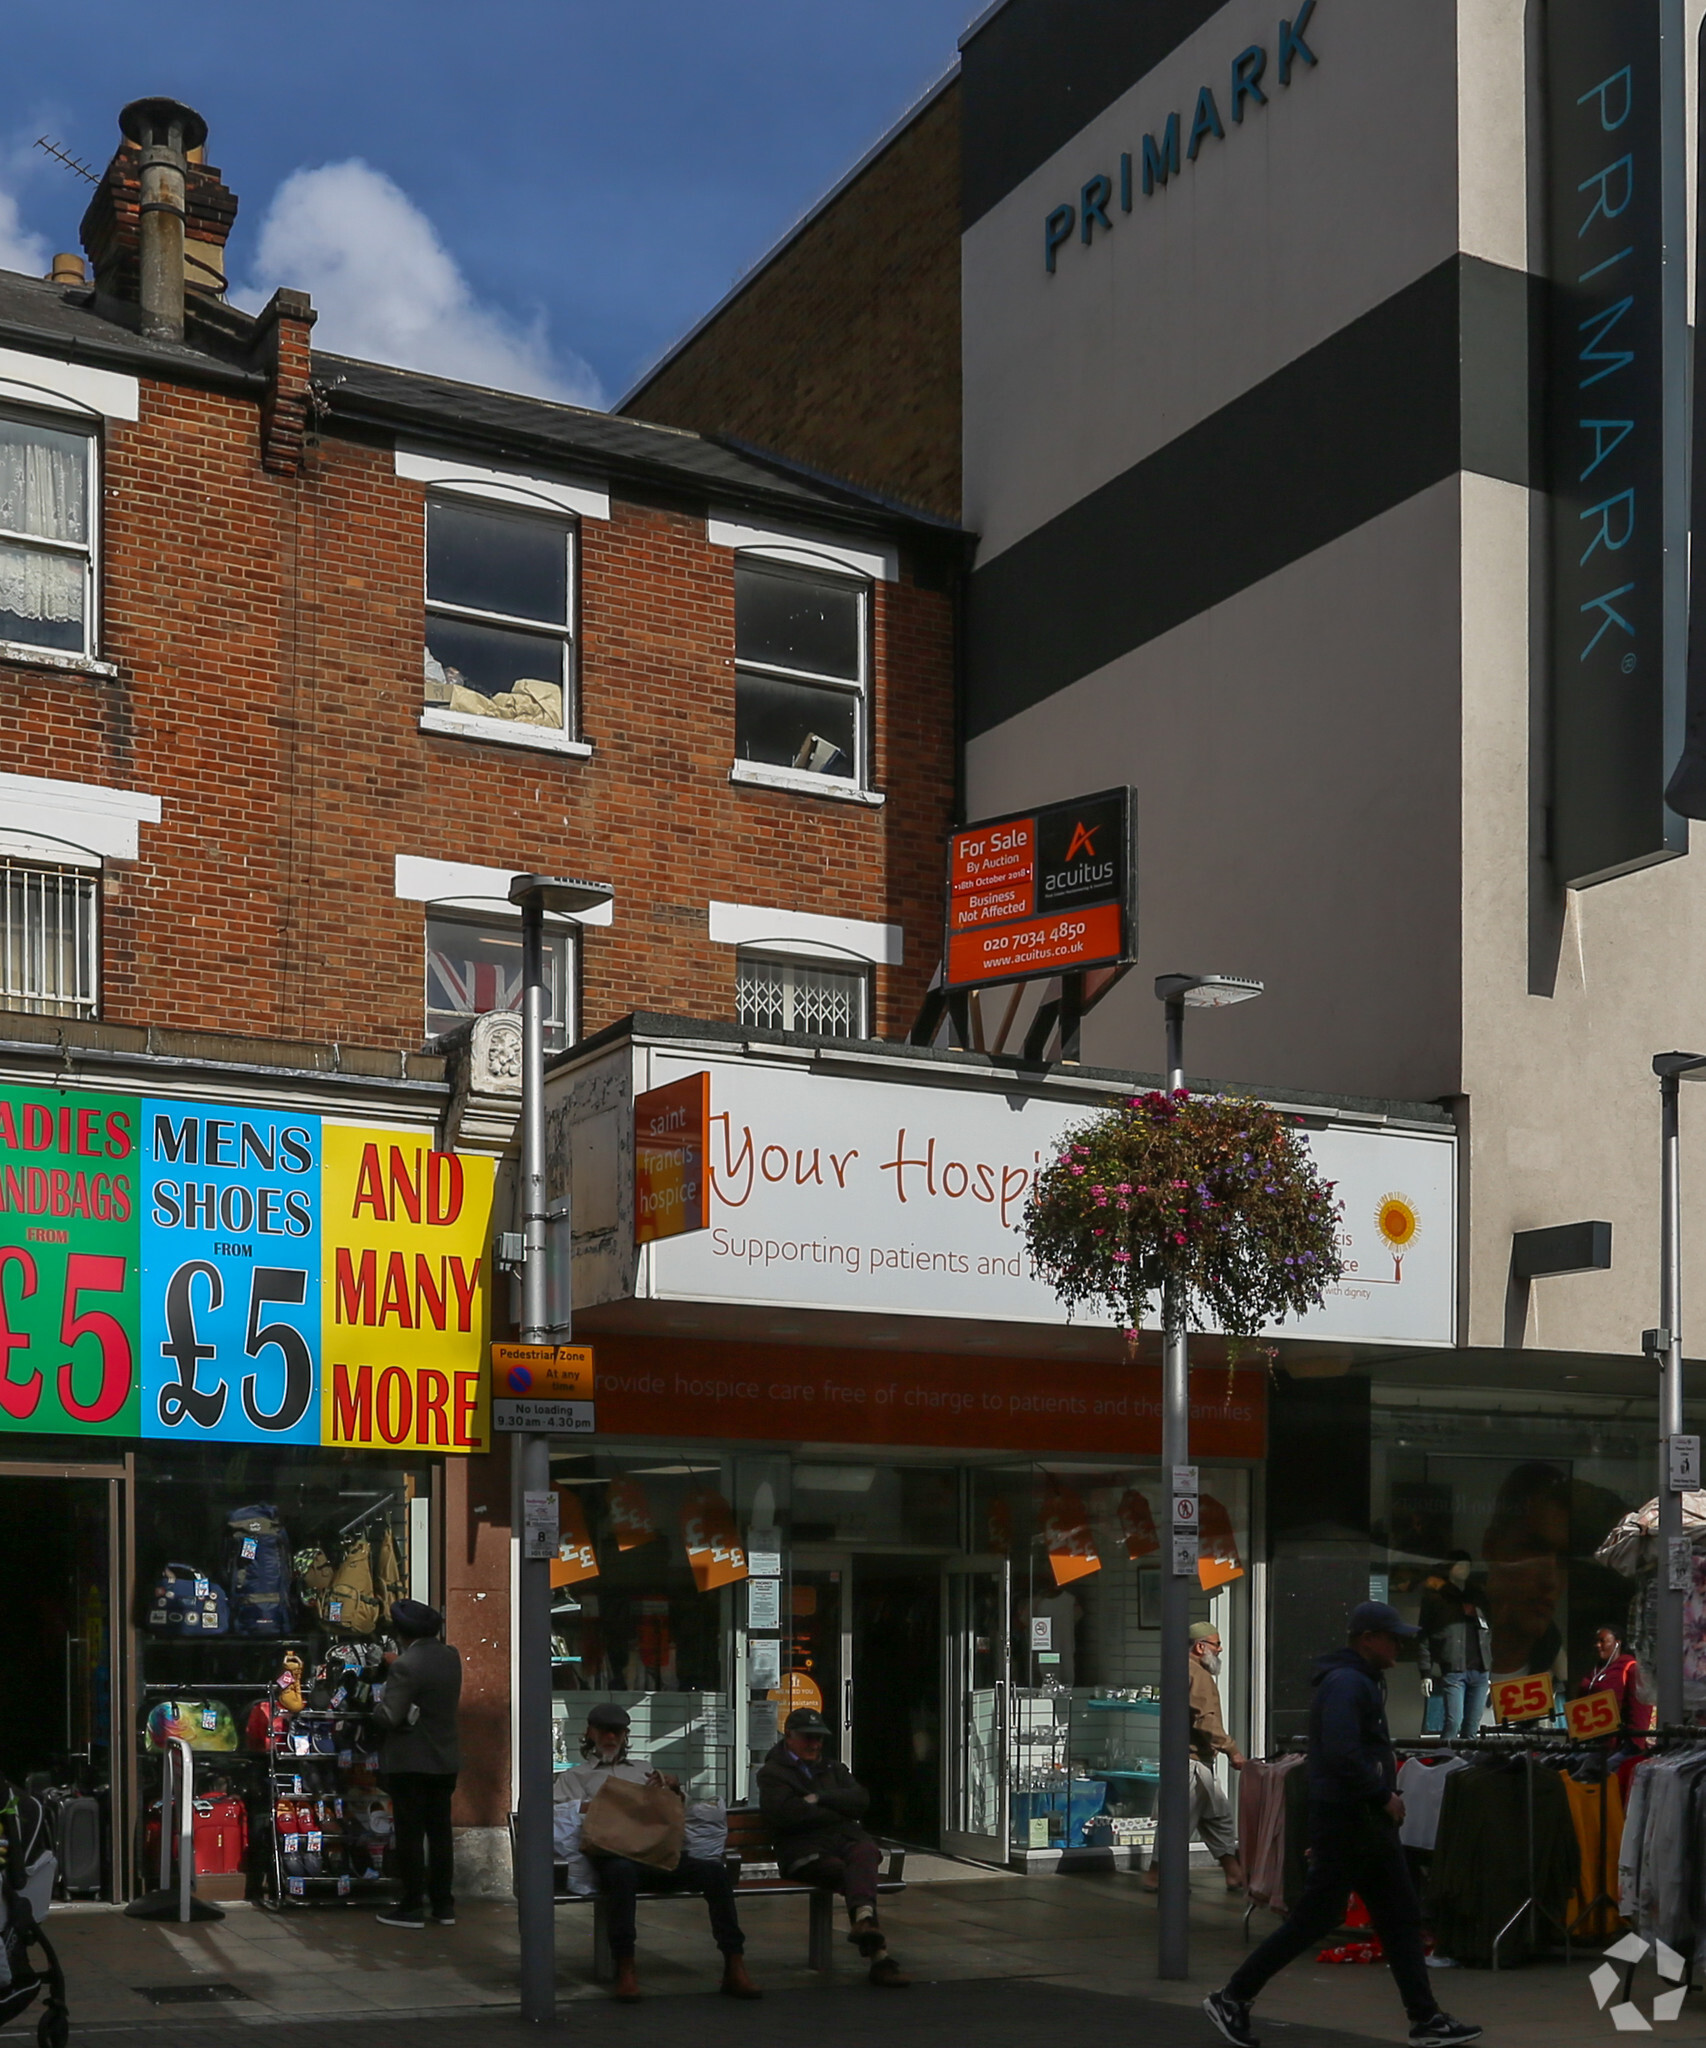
843	351
269	629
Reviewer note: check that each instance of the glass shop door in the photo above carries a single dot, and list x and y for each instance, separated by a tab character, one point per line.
976	1650
817	1643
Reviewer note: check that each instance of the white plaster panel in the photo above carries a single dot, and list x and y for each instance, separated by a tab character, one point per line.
510	486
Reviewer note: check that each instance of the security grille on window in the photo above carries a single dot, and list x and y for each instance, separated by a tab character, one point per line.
500	611
473	967
47	940
47	556
801	669
789	995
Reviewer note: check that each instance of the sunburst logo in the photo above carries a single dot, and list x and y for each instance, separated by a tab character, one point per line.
1397	1222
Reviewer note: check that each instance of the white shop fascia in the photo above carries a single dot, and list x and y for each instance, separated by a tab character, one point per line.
870	1193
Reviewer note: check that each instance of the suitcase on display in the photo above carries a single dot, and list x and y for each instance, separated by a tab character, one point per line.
76	1819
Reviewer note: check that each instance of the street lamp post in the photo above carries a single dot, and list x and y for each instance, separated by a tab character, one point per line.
1178	992
1672	1068
535	895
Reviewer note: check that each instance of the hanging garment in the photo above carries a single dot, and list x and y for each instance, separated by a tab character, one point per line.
1481	1872
1421	1786
1596	1814
1261	1826
1636	1789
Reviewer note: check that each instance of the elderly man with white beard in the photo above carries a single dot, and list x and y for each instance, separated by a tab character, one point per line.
1211	1811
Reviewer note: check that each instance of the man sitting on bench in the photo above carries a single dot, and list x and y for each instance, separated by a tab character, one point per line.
812	1806
605	1746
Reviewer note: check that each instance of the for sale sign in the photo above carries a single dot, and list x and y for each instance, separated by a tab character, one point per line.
1043	892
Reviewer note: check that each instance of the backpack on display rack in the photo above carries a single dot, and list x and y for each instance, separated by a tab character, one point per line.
260	1572
352	1606
186	1602
388	1586
314	1574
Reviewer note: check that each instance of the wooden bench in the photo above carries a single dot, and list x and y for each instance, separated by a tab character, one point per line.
752	1856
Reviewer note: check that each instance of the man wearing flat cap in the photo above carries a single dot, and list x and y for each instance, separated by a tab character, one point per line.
605	1747
813	1806
419	1757
1211	1811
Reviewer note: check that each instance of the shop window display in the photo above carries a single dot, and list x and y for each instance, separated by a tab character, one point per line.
1527	1499
1084	1557
265	1586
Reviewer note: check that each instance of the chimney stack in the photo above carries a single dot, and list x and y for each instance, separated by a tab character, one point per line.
157	225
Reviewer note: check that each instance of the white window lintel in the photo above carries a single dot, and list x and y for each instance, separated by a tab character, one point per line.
807	550
67	387
805	934
84	817
462	885
508	486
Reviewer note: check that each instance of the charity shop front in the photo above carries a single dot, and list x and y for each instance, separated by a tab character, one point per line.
846	1450
243	1333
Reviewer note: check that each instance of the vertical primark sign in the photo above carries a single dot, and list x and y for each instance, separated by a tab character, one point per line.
1617	418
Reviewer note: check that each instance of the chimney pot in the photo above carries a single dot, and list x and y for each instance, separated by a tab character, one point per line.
67	268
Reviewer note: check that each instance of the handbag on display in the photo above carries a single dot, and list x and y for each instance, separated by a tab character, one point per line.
645	1823
203	1724
186	1602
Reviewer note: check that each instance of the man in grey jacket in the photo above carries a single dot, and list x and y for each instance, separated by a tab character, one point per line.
419	1757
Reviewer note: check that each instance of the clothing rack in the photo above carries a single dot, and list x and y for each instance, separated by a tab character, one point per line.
1530	1745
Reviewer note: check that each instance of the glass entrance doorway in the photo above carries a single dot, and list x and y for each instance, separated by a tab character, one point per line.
864	1646
60	1709
976	1657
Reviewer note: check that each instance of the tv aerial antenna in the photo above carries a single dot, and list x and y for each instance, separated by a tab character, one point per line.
64	156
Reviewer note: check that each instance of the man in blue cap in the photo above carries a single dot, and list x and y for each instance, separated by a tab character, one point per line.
1354	1815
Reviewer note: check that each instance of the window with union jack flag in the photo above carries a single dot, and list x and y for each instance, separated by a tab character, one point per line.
473	967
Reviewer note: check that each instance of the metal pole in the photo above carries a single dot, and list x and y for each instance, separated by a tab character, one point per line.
1173	1801
534	1907
1668	1621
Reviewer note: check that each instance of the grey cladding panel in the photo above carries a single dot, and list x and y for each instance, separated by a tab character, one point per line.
1358	424
1040	69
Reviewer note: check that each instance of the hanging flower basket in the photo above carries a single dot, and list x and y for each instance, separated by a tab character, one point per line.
1214	1192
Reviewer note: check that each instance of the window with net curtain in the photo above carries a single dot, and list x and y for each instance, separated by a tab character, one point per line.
801	668
801	995
46	558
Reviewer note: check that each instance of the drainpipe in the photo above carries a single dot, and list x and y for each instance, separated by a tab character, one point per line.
164	131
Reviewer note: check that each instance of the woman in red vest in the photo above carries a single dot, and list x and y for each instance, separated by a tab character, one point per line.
1618	1671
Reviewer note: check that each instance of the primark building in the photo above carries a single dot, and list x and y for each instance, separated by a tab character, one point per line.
1312	377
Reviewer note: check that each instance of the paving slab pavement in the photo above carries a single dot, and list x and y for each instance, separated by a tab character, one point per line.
1016	1958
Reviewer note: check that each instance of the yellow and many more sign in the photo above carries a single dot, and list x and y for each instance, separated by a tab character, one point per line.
201	1272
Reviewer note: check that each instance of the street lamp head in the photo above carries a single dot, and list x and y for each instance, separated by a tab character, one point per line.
1206	991
1679	1066
562	898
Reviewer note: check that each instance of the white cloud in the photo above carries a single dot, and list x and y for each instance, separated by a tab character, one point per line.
20	250
389	291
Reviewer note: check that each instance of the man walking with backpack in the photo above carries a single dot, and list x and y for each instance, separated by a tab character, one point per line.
419	1757
1354	1816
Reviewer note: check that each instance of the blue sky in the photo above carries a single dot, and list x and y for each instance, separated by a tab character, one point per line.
541	193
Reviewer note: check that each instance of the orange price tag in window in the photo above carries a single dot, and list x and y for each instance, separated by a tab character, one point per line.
1597	1714
1523	1699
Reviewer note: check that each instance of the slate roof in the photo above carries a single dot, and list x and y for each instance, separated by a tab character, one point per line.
75	325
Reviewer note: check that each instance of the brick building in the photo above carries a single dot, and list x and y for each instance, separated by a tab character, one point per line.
301	658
